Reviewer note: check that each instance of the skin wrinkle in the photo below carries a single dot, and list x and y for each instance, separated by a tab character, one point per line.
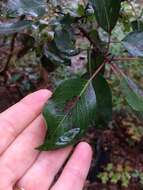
23	166
9	131
5	183
10	172
26	105
11	126
47	166
28	108
31	133
75	169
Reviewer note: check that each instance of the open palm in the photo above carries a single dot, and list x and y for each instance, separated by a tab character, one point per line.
22	166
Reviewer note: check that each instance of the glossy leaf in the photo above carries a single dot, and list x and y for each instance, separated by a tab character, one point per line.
11	28
65	41
94	35
67	20
26	7
107	13
54	55
69	113
95	59
134	43
137	25
104	100
133	94
47	64
27	42
101	87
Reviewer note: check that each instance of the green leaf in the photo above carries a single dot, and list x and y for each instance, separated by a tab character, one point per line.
47	64
69	113
94	35
81	10
133	42
101	87
11	28
27	42
104	100
67	20
95	59
54	55
132	93
107	13
124	19
26	7
104	177
137	25
65	41
116	178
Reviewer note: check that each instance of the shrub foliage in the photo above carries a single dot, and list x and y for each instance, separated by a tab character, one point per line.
86	100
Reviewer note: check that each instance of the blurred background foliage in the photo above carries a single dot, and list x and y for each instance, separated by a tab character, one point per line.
27	53
25	68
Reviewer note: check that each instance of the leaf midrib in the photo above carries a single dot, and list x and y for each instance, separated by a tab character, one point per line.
78	99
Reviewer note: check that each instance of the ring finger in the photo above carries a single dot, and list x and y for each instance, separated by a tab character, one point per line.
42	173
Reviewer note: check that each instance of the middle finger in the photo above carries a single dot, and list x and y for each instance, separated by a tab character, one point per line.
43	171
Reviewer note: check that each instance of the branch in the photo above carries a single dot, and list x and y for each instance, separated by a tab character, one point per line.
127	59
3	51
12	45
92	77
109	42
115	42
85	33
117	70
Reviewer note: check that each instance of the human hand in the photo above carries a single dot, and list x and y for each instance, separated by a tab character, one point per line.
21	165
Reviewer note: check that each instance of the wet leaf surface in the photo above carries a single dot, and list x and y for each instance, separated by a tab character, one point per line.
132	93
11	28
69	113
104	101
107	13
134	43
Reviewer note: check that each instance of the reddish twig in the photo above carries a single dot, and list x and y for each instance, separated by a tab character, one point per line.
12	45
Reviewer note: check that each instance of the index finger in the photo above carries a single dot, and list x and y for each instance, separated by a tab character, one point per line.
14	120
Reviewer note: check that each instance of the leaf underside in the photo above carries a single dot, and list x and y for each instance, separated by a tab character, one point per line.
134	43
132	93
